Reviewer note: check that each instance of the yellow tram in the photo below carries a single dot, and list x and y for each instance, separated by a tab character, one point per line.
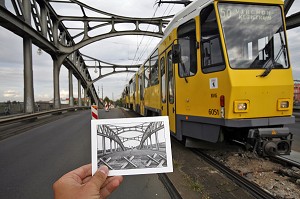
222	68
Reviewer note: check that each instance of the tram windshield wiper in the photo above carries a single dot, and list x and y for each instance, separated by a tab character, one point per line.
269	65
272	61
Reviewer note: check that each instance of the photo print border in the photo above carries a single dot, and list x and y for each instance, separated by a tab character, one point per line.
132	146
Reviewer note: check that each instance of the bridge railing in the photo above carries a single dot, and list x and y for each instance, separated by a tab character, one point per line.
33	116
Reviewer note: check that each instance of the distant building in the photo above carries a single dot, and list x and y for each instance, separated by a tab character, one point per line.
297	93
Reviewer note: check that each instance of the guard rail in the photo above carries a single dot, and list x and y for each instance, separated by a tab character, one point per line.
32	116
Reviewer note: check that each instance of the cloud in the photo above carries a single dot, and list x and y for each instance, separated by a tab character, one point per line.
11	94
116	50
294	50
9	52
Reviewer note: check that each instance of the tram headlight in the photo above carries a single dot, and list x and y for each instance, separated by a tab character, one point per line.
241	106
283	104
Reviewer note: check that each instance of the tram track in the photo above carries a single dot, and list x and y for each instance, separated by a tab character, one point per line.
286	160
260	178
251	187
169	186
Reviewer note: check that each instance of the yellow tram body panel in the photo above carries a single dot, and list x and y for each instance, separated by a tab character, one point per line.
263	94
152	97
205	102
136	93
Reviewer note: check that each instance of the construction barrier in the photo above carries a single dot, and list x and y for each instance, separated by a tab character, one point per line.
94	110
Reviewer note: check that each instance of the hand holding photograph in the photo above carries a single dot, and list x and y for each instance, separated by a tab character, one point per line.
131	146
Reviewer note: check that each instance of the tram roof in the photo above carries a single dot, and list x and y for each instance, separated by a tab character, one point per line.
194	8
189	12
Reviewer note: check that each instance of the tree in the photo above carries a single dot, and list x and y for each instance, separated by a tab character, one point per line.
119	102
106	100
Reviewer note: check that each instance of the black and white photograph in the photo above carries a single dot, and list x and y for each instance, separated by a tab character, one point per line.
131	146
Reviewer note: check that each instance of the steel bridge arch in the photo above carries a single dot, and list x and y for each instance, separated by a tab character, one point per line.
151	129
111	135
49	33
107	65
52	36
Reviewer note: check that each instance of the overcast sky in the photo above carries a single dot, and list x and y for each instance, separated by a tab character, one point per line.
118	50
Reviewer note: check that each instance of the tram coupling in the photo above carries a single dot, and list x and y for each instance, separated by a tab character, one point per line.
271	141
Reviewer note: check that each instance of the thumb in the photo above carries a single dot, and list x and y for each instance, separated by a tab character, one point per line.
99	177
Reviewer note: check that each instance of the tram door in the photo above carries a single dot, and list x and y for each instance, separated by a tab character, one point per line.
170	91
167	88
163	85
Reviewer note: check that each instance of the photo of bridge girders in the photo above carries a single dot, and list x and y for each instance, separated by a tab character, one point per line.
137	145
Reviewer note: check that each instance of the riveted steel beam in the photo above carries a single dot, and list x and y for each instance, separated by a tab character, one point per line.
106	65
52	36
293	21
19	27
287	5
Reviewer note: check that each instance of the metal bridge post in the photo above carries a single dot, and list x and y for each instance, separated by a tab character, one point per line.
103	144
85	96
156	140
90	102
79	92
28	72
151	142
56	69
43	19
2	3
111	148
71	96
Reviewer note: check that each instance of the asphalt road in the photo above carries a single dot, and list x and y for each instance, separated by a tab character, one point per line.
32	161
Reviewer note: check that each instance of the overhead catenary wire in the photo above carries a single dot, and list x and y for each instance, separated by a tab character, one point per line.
143	36
134	60
138	46
151	38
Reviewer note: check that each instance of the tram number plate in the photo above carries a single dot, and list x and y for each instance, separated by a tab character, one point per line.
213	111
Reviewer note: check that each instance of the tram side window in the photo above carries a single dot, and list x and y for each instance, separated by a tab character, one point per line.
170	78
163	80
147	74
212	57
132	87
187	41
141	86
154	68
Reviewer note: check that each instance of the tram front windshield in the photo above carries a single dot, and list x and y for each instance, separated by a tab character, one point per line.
254	36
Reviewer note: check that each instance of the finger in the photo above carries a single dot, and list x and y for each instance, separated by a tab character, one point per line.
111	186
109	179
85	180
83	171
99	177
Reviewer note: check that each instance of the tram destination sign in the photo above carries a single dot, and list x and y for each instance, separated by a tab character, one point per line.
247	12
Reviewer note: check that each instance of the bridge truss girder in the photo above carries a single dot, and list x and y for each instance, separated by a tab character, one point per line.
105	131
99	64
146	130
50	33
152	128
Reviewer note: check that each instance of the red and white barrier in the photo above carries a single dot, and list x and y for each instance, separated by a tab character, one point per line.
106	107
94	110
